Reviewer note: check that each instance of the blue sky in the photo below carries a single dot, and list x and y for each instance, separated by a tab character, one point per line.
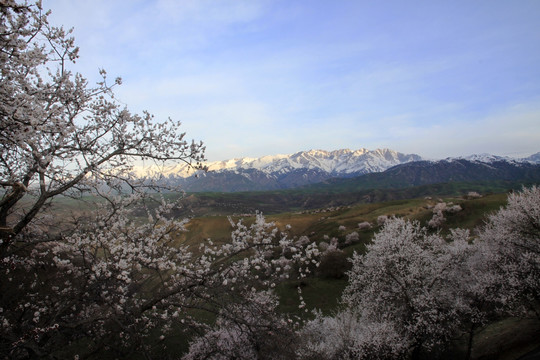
253	78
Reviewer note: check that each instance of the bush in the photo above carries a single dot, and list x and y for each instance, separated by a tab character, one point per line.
334	264
381	220
352	238
364	225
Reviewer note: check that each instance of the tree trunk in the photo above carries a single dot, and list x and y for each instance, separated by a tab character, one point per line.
416	352
470	342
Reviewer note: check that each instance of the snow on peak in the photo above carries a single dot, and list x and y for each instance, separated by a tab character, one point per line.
487	158
533	159
338	162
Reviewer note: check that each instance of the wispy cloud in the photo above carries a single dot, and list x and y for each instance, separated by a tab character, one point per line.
509	132
262	77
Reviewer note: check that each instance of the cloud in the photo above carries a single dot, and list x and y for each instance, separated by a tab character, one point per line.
511	131
261	77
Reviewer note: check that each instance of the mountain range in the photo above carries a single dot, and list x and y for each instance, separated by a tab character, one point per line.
378	168
282	171
451	170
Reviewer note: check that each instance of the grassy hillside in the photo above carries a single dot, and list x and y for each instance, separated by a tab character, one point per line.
336	219
337	222
506	339
342	192
316	223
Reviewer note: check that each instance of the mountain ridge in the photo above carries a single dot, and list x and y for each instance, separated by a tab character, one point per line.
305	168
274	172
342	161
426	172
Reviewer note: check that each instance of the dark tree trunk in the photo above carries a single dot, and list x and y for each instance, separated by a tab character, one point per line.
470	342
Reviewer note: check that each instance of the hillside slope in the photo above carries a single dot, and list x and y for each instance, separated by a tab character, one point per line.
433	172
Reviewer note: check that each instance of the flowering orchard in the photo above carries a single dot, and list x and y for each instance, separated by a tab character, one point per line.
105	281
414	291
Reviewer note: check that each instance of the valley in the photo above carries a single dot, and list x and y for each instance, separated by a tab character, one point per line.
339	221
343	214
323	289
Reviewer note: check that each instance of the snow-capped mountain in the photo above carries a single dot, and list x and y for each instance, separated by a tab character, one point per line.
533	159
280	171
339	162
489	158
275	172
484	158
497	172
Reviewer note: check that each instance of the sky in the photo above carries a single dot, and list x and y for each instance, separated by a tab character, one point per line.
263	77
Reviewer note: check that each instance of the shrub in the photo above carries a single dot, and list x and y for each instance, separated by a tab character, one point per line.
364	225
334	264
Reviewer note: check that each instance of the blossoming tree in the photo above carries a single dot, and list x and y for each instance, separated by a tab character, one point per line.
404	297
414	290
102	279
510	248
